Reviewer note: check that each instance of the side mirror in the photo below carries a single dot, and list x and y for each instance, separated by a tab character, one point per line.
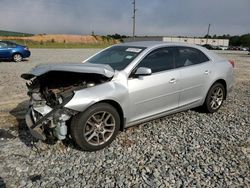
143	71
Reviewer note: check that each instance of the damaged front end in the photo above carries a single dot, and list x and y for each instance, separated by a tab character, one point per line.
51	87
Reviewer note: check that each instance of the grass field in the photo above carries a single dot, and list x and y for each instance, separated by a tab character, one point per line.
62	41
13	33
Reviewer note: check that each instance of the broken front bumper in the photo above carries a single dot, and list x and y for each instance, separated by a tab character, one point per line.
40	118
37	131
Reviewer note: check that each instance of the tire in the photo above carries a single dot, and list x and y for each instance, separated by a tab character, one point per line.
214	98
96	127
17	57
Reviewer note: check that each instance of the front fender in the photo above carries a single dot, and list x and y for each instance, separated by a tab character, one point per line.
107	91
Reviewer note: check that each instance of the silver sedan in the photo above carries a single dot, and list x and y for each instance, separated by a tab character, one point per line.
124	85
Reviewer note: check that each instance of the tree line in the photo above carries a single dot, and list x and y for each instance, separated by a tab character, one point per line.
236	40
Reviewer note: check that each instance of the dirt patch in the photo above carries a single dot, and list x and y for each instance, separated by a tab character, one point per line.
86	39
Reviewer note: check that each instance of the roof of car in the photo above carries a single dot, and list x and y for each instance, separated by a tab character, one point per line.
6	41
153	44
149	44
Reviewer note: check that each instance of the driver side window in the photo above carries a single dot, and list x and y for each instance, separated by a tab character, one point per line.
159	60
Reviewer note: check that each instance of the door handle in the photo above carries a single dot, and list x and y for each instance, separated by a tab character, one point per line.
172	81
206	72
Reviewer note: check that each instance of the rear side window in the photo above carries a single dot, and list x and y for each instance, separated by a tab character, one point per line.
3	45
10	44
186	56
159	60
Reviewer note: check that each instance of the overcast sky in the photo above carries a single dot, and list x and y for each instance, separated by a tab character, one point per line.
154	17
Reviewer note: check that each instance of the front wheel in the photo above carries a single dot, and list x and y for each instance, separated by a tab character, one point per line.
215	98
17	57
96	127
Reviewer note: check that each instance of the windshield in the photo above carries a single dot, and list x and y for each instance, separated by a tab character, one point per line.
118	57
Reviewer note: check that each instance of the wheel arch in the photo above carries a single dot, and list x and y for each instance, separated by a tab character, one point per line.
224	83
14	53
118	107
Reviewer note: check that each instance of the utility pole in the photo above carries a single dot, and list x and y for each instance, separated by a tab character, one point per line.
134	10
208	30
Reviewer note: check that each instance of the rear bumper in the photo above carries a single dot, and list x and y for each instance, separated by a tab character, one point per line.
26	54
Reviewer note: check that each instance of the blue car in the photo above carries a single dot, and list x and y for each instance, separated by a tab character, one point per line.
12	51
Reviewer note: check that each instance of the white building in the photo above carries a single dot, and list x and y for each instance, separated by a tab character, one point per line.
191	40
199	41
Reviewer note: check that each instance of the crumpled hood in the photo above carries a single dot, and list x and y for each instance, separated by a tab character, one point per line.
101	69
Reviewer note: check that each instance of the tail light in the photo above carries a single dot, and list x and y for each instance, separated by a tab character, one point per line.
232	63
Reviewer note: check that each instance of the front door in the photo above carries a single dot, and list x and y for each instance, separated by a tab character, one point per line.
156	93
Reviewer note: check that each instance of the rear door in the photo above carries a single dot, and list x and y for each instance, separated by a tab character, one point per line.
4	51
153	94
195	71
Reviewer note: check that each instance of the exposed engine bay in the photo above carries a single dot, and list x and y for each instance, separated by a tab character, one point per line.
49	92
55	87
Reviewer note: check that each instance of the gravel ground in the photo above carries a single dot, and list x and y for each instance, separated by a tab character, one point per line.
187	149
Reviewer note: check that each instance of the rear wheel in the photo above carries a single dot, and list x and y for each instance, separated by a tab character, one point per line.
95	128
17	57
215	98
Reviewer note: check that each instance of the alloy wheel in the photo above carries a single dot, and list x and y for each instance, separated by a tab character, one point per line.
216	98
17	58
99	128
